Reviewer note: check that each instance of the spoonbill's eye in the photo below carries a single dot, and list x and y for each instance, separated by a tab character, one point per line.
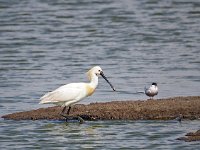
99	70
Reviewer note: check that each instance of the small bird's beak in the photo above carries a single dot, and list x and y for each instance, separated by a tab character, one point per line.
107	81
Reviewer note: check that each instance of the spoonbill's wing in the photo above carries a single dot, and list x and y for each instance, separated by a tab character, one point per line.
62	94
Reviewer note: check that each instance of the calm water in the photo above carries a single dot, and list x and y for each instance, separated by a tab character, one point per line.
44	44
96	135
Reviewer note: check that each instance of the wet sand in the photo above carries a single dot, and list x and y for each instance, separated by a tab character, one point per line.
159	109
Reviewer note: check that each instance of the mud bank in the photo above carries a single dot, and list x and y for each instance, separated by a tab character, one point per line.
159	109
192	136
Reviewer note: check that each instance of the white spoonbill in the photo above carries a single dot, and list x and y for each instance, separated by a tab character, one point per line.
152	90
69	94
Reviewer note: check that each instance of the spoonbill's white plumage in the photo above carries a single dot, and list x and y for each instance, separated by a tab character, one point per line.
69	94
152	90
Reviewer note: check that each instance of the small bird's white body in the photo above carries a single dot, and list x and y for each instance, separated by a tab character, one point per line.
72	93
152	90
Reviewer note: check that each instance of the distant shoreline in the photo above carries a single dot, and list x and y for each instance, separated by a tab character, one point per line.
159	109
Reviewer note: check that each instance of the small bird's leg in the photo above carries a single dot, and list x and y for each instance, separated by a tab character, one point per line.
179	118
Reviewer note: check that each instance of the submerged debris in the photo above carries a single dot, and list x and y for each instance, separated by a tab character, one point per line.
192	136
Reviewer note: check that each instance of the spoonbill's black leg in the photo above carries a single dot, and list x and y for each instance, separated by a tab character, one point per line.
68	118
62	112
68	110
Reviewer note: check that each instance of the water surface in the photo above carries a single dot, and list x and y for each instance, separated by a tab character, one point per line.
96	135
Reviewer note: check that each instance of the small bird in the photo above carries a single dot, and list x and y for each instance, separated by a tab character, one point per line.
71	93
152	90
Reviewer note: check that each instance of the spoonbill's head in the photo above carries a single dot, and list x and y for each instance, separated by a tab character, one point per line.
98	72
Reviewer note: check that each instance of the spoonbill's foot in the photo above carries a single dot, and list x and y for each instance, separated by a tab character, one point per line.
81	120
73	119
